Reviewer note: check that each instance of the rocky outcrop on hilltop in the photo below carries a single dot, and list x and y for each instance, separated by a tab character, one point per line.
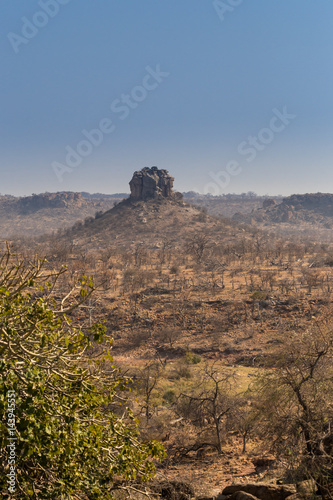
50	200
151	183
152	215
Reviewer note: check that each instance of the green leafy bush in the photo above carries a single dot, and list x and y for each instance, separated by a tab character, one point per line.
192	359
258	295
169	396
69	442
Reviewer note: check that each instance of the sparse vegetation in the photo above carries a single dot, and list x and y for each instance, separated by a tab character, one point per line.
223	329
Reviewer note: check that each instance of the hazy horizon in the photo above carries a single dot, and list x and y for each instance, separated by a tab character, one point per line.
127	193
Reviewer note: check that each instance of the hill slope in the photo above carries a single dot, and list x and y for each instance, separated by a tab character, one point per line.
301	213
151	222
44	213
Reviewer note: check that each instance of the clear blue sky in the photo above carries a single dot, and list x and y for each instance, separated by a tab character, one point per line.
224	68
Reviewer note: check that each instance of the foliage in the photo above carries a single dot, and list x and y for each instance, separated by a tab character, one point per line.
258	295
192	359
169	396
70	443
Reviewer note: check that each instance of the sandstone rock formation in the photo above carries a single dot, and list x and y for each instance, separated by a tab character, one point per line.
151	183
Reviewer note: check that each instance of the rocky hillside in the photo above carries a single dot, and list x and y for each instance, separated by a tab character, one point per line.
227	205
150	222
152	214
45	213
50	200
298	209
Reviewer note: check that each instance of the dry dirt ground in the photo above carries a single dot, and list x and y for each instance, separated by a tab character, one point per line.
211	474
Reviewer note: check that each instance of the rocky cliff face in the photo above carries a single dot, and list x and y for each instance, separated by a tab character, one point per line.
151	183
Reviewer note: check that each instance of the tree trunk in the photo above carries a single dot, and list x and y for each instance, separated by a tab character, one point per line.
244	443
218	435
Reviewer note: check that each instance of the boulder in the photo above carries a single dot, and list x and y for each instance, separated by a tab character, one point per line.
151	183
242	495
263	491
264	461
302	496
173	490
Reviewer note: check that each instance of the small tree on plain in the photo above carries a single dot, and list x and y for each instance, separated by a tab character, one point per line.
209	405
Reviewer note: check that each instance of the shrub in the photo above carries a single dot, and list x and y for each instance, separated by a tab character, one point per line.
69	441
258	295
192	359
169	396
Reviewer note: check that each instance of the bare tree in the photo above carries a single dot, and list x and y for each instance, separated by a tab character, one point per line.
244	418
197	246
210	404
147	380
